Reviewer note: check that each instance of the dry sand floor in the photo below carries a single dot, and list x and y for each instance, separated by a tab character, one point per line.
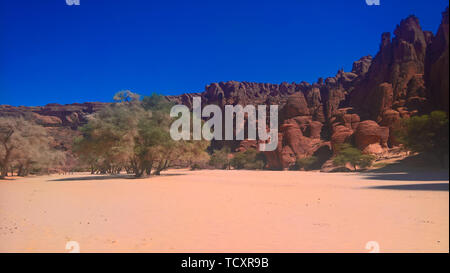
226	211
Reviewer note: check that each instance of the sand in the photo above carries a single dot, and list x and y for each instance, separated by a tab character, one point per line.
226	211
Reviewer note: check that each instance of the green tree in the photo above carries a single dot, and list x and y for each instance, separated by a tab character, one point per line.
306	163
135	137
349	154
250	159
107	140
426	134
220	158
126	96
156	102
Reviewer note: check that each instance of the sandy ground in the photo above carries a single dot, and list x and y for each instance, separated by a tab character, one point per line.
226	211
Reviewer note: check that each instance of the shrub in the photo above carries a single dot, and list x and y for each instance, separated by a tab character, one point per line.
250	159
306	163
219	158
426	134
134	135
349	154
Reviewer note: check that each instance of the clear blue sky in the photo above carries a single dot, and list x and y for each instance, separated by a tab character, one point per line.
51	52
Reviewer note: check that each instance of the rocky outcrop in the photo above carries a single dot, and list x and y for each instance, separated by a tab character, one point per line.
369	132
55	115
361	66
436	66
396	73
341	135
61	121
408	76
296	106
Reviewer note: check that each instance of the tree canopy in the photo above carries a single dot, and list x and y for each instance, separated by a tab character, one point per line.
426	134
25	147
347	154
134	136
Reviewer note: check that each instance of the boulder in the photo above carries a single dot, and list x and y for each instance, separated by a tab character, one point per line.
374	149
47	120
342	134
369	132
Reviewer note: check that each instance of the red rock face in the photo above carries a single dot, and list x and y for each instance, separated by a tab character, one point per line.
396	73
341	134
390	119
369	132
295	106
361	107
436	67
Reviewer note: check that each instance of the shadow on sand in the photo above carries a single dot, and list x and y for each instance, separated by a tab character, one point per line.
420	168
414	168
109	177
415	187
94	177
417	163
409	176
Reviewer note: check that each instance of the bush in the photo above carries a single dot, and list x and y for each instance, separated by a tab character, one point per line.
25	148
135	136
306	163
250	159
426	134
219	158
349	154
196	166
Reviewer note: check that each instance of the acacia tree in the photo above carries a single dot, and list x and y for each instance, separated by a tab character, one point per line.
349	154
25	146
126	96
134	135
165	151
106	141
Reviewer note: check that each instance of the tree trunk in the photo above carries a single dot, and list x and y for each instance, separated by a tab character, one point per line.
19	170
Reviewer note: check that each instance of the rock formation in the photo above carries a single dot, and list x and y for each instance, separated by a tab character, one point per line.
436	66
61	121
408	76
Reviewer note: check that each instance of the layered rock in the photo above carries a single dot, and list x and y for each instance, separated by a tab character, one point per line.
55	115
61	121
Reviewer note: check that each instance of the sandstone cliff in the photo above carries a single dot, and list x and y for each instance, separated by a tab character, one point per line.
408	76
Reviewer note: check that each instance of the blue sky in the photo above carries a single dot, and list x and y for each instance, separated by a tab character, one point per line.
54	53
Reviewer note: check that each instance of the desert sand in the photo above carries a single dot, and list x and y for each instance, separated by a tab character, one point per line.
226	211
